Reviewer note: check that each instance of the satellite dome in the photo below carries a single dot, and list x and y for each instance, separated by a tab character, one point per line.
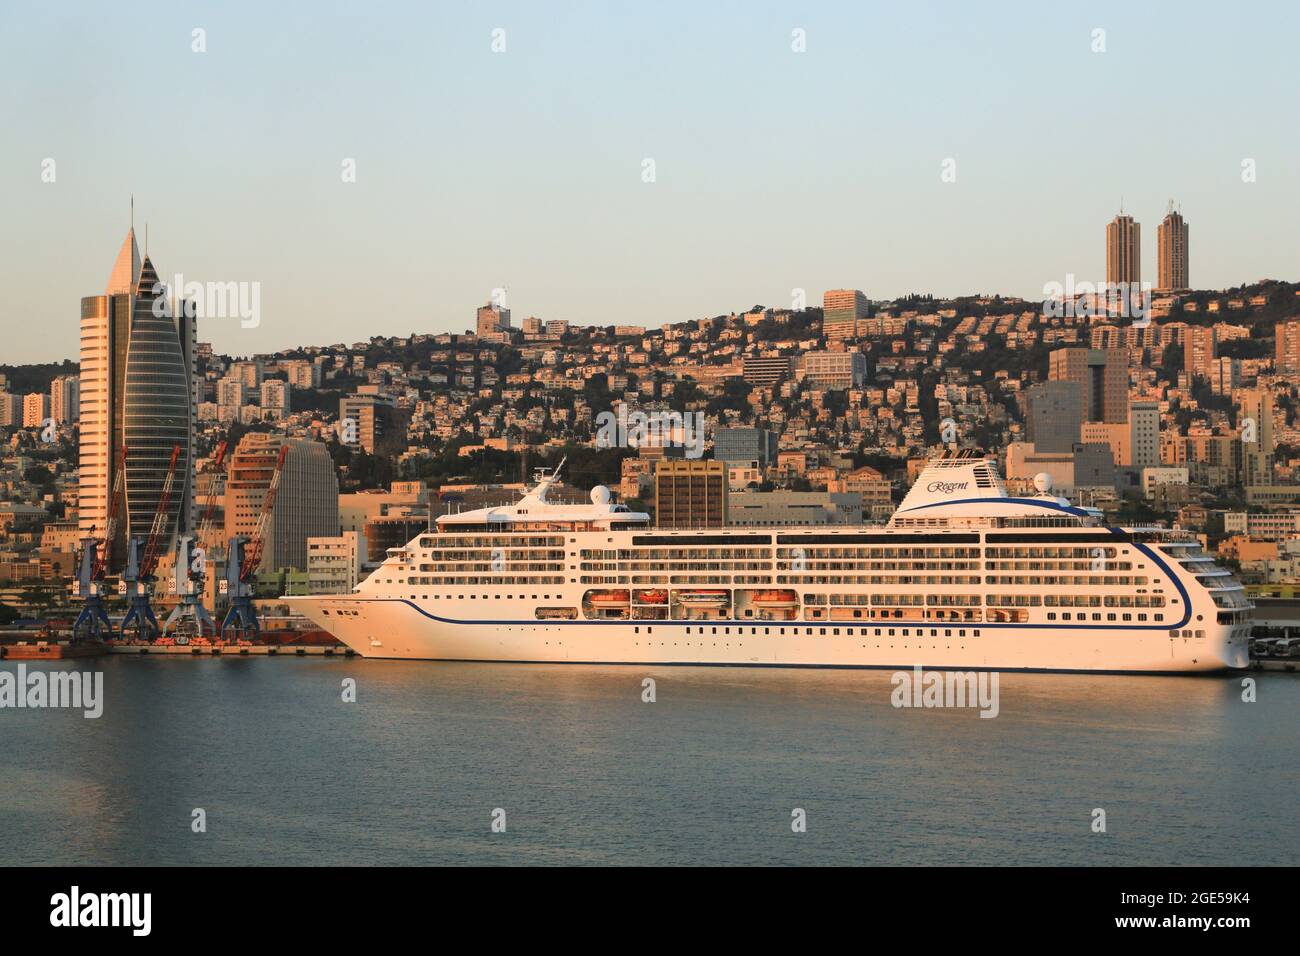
1043	482
600	495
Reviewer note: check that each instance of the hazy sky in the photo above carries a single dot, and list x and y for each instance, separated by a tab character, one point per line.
774	170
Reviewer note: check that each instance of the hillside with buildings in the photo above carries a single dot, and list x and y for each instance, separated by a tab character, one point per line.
1185	413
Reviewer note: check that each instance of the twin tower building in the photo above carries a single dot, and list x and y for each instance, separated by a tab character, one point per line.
137	395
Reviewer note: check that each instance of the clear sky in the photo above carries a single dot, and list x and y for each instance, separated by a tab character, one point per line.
774	170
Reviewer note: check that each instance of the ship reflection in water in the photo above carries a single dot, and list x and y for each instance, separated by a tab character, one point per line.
588	772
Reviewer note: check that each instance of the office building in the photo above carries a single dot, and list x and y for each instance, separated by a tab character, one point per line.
334	563
766	371
1144	434
835	370
1101	374
306	504
745	444
374	422
842	310
691	493
1053	414
780	509
136	392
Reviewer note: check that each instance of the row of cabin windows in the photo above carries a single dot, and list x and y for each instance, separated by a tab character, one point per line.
831	631
1052	615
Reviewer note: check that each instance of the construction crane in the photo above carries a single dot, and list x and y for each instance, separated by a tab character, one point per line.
142	560
243	556
93	623
189	580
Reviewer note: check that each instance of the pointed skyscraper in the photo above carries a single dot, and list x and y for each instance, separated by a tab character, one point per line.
126	270
155	415
136	394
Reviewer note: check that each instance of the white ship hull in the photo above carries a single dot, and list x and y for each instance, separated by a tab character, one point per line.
400	630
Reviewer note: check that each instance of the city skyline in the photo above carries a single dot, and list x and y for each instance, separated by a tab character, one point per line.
593	434
560	213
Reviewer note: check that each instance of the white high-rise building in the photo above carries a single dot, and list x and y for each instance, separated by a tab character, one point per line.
65	399
334	563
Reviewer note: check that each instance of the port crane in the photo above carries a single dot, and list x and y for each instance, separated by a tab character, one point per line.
92	623
189	579
243	556
142	560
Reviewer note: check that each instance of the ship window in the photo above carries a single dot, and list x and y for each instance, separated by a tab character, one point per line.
636	630
1051	615
649	630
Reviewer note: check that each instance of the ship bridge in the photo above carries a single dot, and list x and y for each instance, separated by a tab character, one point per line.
533	512
963	489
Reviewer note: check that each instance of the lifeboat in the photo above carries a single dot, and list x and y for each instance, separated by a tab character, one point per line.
652	596
775	599
704	597
557	613
608	598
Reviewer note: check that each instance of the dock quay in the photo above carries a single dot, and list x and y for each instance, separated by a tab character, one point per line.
67	650
51	650
233	650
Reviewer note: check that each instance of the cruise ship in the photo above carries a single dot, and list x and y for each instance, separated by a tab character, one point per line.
963	577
